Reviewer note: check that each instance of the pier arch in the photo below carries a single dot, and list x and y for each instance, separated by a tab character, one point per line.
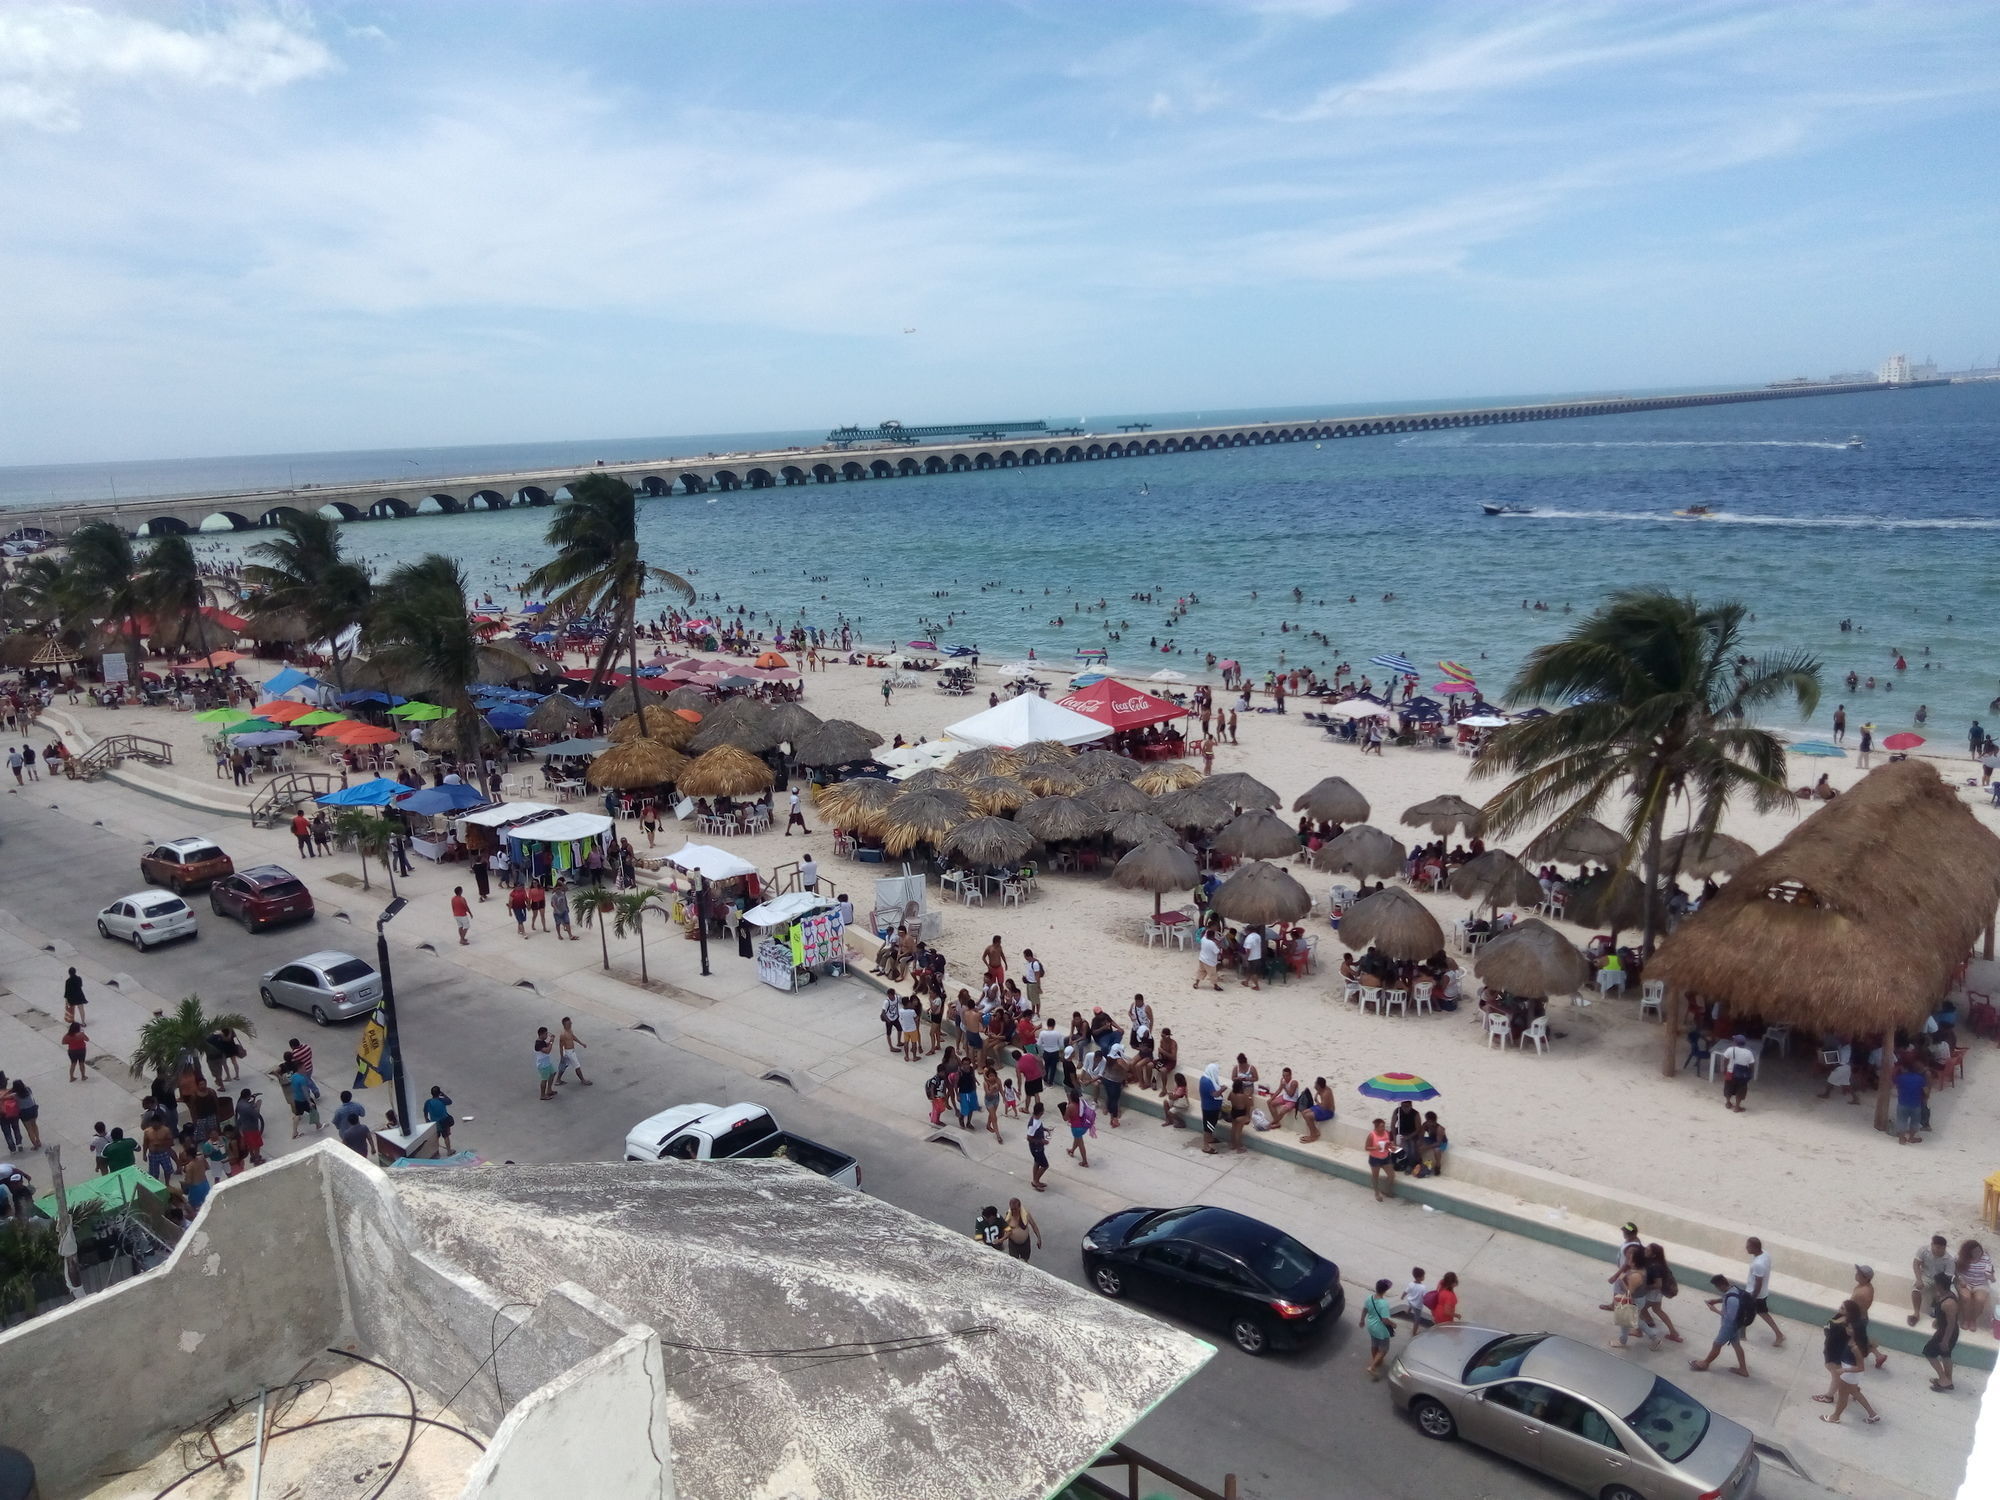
693	483
654	486
793	474
278	513
726	479
389	507
483	500
225	520
165	526
882	469
935	465
904	469
341	510
852	470
823	473
760	479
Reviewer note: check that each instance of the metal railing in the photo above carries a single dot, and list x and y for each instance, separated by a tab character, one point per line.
1136	1464
111	750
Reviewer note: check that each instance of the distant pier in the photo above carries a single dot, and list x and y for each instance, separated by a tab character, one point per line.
894	459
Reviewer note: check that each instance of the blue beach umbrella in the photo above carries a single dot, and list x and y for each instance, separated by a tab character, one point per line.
1395	663
377	793
438	799
1817	747
508	717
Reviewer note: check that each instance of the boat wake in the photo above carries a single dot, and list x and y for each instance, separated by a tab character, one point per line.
1730	518
1666	443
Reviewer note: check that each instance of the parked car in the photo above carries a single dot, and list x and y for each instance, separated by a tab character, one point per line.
735	1132
260	896
146	919
184	864
327	986
1218	1268
1579	1414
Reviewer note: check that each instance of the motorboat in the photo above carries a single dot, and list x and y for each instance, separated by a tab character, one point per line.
1695	513
1854	441
1507	509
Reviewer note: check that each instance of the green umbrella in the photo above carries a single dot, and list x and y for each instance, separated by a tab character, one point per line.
217	716
314	720
412	710
246	726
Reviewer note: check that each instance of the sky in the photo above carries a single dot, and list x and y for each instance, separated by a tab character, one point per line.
273	227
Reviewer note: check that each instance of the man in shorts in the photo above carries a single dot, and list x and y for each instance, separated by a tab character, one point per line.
158	1142
461	912
1206	963
1032	970
1038	1144
1929	1263
1737	1062
797	817
568	1043
1733	1305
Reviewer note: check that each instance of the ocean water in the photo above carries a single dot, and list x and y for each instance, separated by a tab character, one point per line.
1901	537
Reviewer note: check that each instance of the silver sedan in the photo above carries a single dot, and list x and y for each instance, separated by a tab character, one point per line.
1578	1414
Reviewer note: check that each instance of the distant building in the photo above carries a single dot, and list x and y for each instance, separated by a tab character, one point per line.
1928	370
1896	370
1852	377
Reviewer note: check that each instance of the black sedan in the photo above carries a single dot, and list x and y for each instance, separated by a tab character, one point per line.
1217	1268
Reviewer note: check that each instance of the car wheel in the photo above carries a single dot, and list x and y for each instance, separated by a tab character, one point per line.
248	925
102	930
138	942
264	994
319	1017
1620	1492
1250	1336
1107	1280
215	905
1433	1419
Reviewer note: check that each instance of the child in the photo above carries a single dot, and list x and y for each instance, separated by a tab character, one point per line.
1010	1097
98	1141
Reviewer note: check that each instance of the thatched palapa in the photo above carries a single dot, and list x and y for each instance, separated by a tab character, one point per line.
1531	958
1578	843
1258	834
1192	807
1240	789
793	721
1053	819
662	724
923	818
1117	797
1158	866
1096	766
1261	894
1441	815
1332	800
836	742
932	779
1394	923
1696	857
636	763
986	760
858	804
1496	879
1167	776
623	702
1042	752
988	841
723	772
1052	779
1363	850
996	794
558	715
1140	828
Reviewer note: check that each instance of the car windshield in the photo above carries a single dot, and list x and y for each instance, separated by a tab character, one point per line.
1161	1226
279	890
348	972
166	908
1501	1359
1670	1421
1284	1264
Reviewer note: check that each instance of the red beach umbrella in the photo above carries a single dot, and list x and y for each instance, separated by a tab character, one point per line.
1903	741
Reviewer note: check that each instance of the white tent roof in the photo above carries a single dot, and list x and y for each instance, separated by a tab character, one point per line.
1028	717
562	830
789	907
506	812
706	859
916	757
1358	708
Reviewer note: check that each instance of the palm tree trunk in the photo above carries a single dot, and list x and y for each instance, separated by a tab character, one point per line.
630	622
604	659
603	946
362	849
639	931
1655	828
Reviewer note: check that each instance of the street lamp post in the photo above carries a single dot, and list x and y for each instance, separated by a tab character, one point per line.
395	1038
701	919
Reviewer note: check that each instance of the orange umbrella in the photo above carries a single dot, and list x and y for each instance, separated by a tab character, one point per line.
283	711
693	716
772	659
217	659
368	734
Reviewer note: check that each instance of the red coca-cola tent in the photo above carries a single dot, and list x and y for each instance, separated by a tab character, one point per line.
1121	705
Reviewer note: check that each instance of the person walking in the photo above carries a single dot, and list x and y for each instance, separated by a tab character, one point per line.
545	1063
1032	971
482	875
892	1022
77	1045
1628	1296
28	1111
461	912
437	1111
1038	1146
1213	1094
989	1091
302	830
568	1044
1117	1072
1738	1063
1863	1298
559	911
250	1126
74	999
538	906
1733	1307
797	817
1019	1228
1944	1330
1208	958
1843	1354
1377	1321
1660	1285
322	827
517	907
1381	1149
303	1095
1757	1282
1081	1118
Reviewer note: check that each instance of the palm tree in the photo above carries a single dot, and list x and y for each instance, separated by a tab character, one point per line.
628	917
303	573
1656	692
370	834
170	586
172	1041
100	572
38	595
597	569
592	903
421	630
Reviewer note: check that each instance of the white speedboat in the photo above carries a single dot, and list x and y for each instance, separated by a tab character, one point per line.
1854	441
1507	509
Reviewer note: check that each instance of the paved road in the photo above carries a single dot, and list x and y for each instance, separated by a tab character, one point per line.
1291	1427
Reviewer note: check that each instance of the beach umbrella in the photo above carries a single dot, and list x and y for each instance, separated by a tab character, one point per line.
1452	689
859	803
249	726
1053	819
1697	857
1393	922
996	794
225	715
987	760
834	743
377	793
279	710
316	718
264	737
1049	779
557	714
1903	740
1096	766
507	717
1442	815
1582	841
1363	850
725	771
1241	790
1531	958
1332	800
1257	834
1496	879
988	841
1359	708
1817	747
662	724
754	735
635	764
924	818
1607	901
1261	894
1139	828
572	747
932	779
1159	866
793	721
1042	752
1396	1087
689	697
1167	776
369	734
1116	797
1192	807
772	659
1401	665
440	799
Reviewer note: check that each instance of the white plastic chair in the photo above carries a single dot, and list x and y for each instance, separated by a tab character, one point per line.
1653	998
1011	894
1154	932
1782	1035
1395	1000
1354	991
1499	1031
1420	996
970	894
1371	996
1538	1033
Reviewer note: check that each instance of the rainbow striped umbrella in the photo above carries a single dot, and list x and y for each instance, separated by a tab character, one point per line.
1397	1087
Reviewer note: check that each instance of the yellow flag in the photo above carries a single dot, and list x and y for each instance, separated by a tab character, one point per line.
371	1061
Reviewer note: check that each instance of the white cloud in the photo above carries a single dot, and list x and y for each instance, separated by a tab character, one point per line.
51	56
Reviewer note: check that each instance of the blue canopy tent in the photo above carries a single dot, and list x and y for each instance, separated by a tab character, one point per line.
507	717
288	680
441	799
377	793
369	695
261	737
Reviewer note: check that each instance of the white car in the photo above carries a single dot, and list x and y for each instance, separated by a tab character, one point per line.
147	918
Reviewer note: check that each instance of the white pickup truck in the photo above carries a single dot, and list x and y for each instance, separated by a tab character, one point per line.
733	1132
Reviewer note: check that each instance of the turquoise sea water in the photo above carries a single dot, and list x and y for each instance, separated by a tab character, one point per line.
1901	536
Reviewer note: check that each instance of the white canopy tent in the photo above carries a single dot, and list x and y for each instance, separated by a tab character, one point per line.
1028	717
563	830
780	911
706	859
505	813
1358	708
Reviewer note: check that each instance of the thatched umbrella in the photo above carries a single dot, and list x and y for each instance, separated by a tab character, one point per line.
1166	776
1041	752
1140	828
1531	958
636	763
1240	789
988	841
620	702
1192	807
1394	923
1856	923
1261	894
756	737
1096	766
1443	814
858	804
699	699
724	771
1583	841
1159	866
1053	819
1258	834
835	742
53	653
793	721
931	779
923	818
986	760
662	724
1697	858
1051	779
1117	797
282	625
996	794
1332	800
19	649
557	715
1610	901
1363	850
1496	879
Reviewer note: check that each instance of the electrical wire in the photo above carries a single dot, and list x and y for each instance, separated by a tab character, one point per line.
409	1438
353	1416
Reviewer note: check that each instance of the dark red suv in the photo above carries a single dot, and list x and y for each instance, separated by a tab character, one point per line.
261	896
